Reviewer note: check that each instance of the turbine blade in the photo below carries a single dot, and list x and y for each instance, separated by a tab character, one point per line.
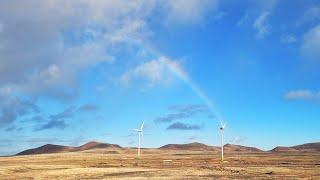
142	126
224	125
221	123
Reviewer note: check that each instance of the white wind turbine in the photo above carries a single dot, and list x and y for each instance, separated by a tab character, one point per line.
223	126
139	131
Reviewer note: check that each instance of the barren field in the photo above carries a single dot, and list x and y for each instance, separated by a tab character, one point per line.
160	164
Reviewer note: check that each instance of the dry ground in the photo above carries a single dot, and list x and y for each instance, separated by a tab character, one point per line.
184	165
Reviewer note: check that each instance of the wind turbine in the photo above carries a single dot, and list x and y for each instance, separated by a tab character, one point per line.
139	131
223	126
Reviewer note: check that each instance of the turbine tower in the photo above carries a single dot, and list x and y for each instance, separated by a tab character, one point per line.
139	131
223	125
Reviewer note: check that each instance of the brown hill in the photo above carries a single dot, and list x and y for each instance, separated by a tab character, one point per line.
309	147
239	148
191	147
199	146
51	148
48	148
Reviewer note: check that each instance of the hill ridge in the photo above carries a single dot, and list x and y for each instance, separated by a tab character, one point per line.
52	148
306	147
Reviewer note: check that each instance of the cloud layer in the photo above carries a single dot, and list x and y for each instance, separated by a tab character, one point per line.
58	121
180	112
14	107
183	126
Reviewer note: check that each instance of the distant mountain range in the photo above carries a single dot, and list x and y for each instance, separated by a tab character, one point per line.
51	148
200	146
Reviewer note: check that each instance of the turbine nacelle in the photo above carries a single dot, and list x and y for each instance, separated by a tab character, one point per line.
223	126
138	130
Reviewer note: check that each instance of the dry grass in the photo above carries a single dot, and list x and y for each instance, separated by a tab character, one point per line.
185	164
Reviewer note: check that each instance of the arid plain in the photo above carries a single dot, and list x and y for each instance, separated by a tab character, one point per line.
162	163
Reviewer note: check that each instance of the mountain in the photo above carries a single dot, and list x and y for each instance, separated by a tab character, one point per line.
239	148
48	148
308	147
191	146
51	148
199	146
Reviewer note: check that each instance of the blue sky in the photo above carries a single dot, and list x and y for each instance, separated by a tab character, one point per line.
76	71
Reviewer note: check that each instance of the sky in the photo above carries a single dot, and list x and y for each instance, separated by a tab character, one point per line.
79	70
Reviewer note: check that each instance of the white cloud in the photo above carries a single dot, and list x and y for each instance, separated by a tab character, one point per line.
288	39
175	67
157	71
257	16
311	15
261	25
302	95
310	47
152	71
266	5
130	32
189	11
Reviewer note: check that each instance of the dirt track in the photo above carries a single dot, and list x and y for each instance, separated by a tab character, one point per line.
184	164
